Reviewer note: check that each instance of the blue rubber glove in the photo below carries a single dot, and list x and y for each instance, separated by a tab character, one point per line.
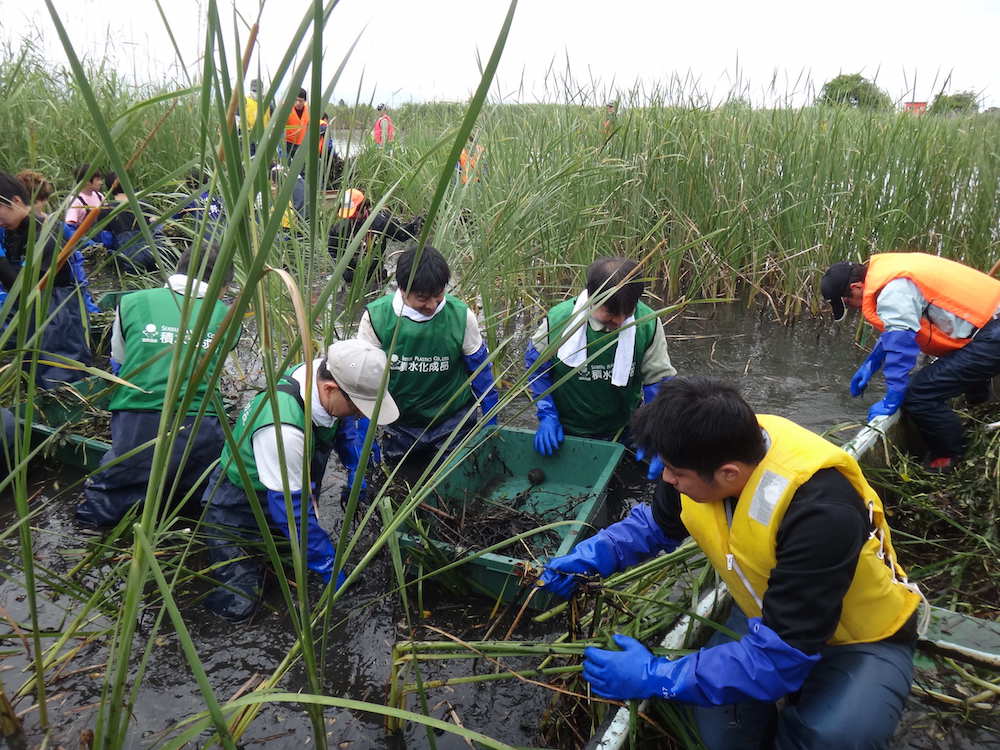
319	549
888	405
635	538
549	435
116	366
349	442
760	666
483	384
871	365
649	391
901	352
656	465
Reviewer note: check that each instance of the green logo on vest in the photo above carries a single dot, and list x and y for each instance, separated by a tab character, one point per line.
417	363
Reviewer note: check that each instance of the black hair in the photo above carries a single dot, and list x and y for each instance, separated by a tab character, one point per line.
11	187
699	423
605	274
858	272
431	276
302	94
323	372
111	179
209	257
85	173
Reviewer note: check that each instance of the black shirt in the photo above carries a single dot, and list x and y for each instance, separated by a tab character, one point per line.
16	244
818	544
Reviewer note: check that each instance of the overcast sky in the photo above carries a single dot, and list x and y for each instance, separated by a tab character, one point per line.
426	49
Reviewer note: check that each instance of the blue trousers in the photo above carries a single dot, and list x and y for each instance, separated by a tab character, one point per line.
967	370
397	438
6	439
229	524
231	531
852	700
111	491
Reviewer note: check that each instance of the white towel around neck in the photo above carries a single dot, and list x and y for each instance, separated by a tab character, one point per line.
401	308
573	351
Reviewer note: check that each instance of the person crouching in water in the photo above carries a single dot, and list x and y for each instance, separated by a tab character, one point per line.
438	348
146	340
614	354
823	621
64	324
345	385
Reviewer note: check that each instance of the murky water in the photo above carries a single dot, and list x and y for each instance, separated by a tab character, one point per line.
800	372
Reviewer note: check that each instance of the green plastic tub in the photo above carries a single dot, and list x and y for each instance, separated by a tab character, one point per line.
494	474
59	410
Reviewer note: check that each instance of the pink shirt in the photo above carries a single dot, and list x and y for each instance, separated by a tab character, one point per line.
78	208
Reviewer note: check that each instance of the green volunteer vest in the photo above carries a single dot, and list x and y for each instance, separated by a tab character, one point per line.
150	323
587	402
291	411
426	367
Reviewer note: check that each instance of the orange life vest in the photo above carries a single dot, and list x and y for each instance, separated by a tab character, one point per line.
954	287
467	162
295	128
383	131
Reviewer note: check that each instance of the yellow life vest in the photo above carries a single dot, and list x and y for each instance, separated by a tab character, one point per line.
879	600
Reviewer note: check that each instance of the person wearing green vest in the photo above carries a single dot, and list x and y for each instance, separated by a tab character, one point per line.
146	339
438	348
345	385
615	354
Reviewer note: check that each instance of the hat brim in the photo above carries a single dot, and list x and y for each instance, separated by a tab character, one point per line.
387	413
839	311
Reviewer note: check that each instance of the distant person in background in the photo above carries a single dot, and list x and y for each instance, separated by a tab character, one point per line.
613	356
40	190
438	349
470	162
324	134
146	339
130	250
253	106
354	211
91	181
205	209
383	131
610	118
65	321
297	125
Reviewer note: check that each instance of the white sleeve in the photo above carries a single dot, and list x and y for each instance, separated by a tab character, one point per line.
117	339
473	339
900	305
366	332
265	454
540	338
656	361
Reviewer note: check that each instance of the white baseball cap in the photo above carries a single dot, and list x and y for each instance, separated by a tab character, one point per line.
358	366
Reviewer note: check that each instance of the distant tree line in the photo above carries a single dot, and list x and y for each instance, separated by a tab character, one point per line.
854	90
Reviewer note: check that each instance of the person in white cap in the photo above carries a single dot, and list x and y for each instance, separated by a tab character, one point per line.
345	388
